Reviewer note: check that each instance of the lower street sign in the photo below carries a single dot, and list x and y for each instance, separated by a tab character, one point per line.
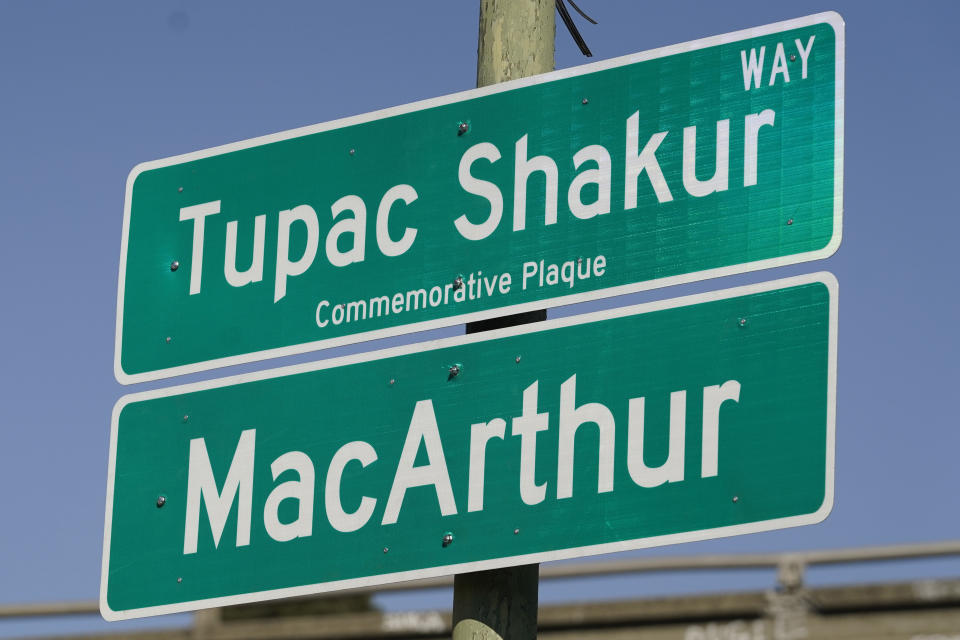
680	420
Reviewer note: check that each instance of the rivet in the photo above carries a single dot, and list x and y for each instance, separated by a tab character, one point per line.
793	57
584	101
353	151
790	221
168	339
386	549
743	322
462	128
454	371
179	580
458	283
516	532
162	500
736	498
447	539
179	189
518	359
174	265
392	381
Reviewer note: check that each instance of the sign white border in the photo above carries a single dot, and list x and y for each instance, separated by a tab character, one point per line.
825	278
831	18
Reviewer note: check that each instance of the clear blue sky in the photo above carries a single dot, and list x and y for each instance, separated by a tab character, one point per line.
89	89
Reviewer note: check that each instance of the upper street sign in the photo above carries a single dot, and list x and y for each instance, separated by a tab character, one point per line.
677	420
693	161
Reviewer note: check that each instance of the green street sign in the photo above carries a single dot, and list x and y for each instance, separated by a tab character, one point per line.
693	161
673	421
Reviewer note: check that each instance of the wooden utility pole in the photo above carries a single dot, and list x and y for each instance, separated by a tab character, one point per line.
516	39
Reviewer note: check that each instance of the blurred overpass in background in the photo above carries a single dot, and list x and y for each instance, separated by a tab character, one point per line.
788	610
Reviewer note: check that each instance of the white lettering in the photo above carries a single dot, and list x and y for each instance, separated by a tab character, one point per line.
300	490
423	427
804	54
572	418
482	188
201	485
526	426
700	188
599	176
255	272
751	132
387	246
480	434
285	267
753	69
713	397
355	225
779	65
198	213
523	167
645	161
672	469
340	519
321	305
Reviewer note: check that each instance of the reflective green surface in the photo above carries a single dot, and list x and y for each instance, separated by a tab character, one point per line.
790	211
774	454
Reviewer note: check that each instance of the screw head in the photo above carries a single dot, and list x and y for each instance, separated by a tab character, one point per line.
458	283
174	265
518	359
185	417
179	580
386	549
447	539
454	371
161	500
462	128
742	322
179	189
353	152
793	57
790	221
736	499
516	532
584	101
168	339
393	381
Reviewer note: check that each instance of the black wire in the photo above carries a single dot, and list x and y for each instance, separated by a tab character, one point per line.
580	11
572	28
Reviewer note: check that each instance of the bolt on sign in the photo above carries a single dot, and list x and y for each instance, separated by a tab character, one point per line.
697	160
678	420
